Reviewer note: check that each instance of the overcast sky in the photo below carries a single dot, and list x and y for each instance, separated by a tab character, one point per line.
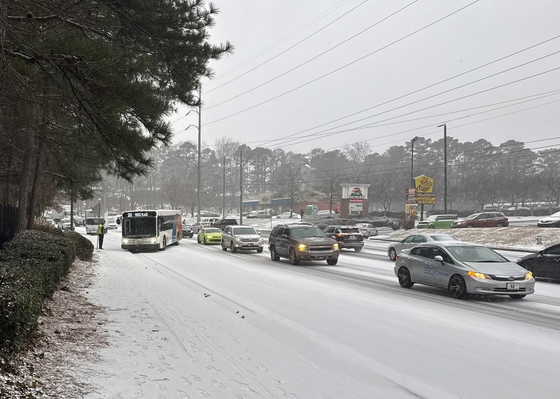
319	73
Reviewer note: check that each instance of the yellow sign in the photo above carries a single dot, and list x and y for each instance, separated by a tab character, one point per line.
411	211
426	200
424	184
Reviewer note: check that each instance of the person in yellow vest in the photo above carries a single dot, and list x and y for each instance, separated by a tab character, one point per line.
101	233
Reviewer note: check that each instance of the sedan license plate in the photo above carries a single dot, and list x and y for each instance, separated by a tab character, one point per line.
512	286
351	238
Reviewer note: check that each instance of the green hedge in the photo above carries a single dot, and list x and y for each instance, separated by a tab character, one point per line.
31	266
83	246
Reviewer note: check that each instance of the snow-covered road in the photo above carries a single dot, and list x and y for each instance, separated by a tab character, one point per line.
194	321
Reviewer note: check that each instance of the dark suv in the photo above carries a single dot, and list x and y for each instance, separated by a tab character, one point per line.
222	223
484	219
300	242
347	236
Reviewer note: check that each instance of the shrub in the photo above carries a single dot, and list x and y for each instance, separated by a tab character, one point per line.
31	265
83	246
55	253
21	300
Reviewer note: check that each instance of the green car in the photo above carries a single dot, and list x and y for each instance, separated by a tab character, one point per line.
210	235
437	222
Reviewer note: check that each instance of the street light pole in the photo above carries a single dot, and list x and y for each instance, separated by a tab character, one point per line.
444	167
199	145
412	162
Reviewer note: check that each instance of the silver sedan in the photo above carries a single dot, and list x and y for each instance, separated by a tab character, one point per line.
412	240
463	269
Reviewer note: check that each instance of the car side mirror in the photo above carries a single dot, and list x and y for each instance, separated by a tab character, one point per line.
438	258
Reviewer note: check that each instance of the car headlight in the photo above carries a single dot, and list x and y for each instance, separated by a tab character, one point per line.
302	247
261	239
335	246
529	276
479	275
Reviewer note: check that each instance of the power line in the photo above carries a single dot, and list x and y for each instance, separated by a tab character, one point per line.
309	60
285	38
425	87
423	109
342	67
436	95
279	54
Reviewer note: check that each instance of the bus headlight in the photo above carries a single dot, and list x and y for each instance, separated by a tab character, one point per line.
125	241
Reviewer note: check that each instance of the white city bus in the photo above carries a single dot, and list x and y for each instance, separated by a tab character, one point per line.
151	230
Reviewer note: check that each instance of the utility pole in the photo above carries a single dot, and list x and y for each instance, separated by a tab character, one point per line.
199	144
240	187
444	167
412	162
224	186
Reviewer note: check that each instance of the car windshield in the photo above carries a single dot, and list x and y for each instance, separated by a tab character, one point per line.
244	230
443	237
212	230
305	232
475	253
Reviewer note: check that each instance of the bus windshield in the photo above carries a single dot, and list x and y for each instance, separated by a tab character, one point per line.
139	227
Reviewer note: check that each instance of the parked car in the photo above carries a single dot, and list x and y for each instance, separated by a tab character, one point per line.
289	215
367	229
188	230
241	237
209	235
252	215
483	219
263	214
463	269
545	263
550	221
437	222
412	240
347	237
300	242
222	223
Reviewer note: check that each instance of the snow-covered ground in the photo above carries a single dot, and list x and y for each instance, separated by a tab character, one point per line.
193	321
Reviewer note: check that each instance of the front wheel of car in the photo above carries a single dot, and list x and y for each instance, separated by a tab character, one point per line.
392	254
431	226
332	262
259	251
233	249
358	249
404	278
205	240
458	287
293	257
517	296
273	255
